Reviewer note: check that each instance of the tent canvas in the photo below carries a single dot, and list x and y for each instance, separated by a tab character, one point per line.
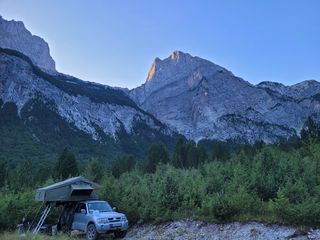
72	189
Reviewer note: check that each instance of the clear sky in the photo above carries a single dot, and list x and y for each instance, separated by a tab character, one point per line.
115	41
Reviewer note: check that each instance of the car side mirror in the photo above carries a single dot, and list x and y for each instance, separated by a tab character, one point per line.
114	209
83	211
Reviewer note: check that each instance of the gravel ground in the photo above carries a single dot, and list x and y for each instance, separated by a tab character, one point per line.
188	229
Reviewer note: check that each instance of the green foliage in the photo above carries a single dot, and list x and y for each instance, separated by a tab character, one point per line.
281	206
268	183
94	170
3	173
123	164
296	191
157	154
263	182
15	236
40	134
311	130
221	208
14	206
66	166
180	154
220	151
188	155
306	212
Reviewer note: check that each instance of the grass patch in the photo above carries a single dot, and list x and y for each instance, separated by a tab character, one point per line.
15	236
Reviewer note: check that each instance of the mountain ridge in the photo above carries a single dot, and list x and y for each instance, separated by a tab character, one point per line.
207	87
182	94
104	113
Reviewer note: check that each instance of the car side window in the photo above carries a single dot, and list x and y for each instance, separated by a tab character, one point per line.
80	207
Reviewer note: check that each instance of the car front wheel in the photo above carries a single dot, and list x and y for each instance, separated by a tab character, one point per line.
92	233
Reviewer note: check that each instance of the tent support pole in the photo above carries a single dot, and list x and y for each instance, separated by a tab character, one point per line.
43	218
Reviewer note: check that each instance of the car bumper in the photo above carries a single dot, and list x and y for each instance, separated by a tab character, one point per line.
112	227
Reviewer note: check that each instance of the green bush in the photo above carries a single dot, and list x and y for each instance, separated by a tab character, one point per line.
15	206
270	183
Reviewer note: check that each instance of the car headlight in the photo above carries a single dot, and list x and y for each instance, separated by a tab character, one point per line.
102	220
124	218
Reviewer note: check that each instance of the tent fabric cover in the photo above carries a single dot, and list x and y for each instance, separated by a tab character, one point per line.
72	189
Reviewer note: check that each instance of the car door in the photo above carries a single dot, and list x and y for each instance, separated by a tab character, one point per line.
80	217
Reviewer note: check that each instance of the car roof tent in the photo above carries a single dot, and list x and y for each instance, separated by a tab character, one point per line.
72	189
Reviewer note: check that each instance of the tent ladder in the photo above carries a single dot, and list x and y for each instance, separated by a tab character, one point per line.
43	218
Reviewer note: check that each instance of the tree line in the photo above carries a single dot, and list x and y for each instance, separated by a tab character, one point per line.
220	181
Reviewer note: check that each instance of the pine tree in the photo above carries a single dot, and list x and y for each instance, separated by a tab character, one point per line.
66	166
157	154
3	173
202	154
123	164
179	159
220	151
94	170
192	156
311	130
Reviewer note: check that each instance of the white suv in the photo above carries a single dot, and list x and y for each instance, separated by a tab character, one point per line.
97	217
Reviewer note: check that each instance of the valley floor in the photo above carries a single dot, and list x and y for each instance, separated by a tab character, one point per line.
193	230
187	229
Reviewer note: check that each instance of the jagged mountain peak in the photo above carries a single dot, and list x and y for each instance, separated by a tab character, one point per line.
13	24
178	65
177	55
201	99
183	93
15	36
174	58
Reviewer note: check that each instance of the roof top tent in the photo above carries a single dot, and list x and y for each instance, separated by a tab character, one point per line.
70	190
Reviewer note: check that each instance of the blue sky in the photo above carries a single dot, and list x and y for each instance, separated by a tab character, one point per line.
114	42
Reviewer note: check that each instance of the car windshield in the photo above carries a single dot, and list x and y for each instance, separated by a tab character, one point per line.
99	206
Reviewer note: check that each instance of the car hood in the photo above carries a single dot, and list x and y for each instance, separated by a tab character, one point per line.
108	215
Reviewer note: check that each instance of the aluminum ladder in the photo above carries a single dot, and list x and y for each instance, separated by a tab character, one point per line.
43	217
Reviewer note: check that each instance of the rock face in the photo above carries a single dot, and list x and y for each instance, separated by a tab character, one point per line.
202	100
99	111
182	93
58	110
299	91
14	35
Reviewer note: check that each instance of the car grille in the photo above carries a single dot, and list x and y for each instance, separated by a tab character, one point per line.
112	220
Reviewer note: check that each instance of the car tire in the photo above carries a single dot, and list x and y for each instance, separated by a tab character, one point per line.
120	234
92	233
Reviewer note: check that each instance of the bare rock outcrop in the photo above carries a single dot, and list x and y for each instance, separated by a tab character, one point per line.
202	100
14	35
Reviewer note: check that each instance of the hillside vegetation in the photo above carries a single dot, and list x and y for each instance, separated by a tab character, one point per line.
210	181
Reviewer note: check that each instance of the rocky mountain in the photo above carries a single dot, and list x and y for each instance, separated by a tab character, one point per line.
14	35
202	100
59	103
58	110
299	91
47	110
